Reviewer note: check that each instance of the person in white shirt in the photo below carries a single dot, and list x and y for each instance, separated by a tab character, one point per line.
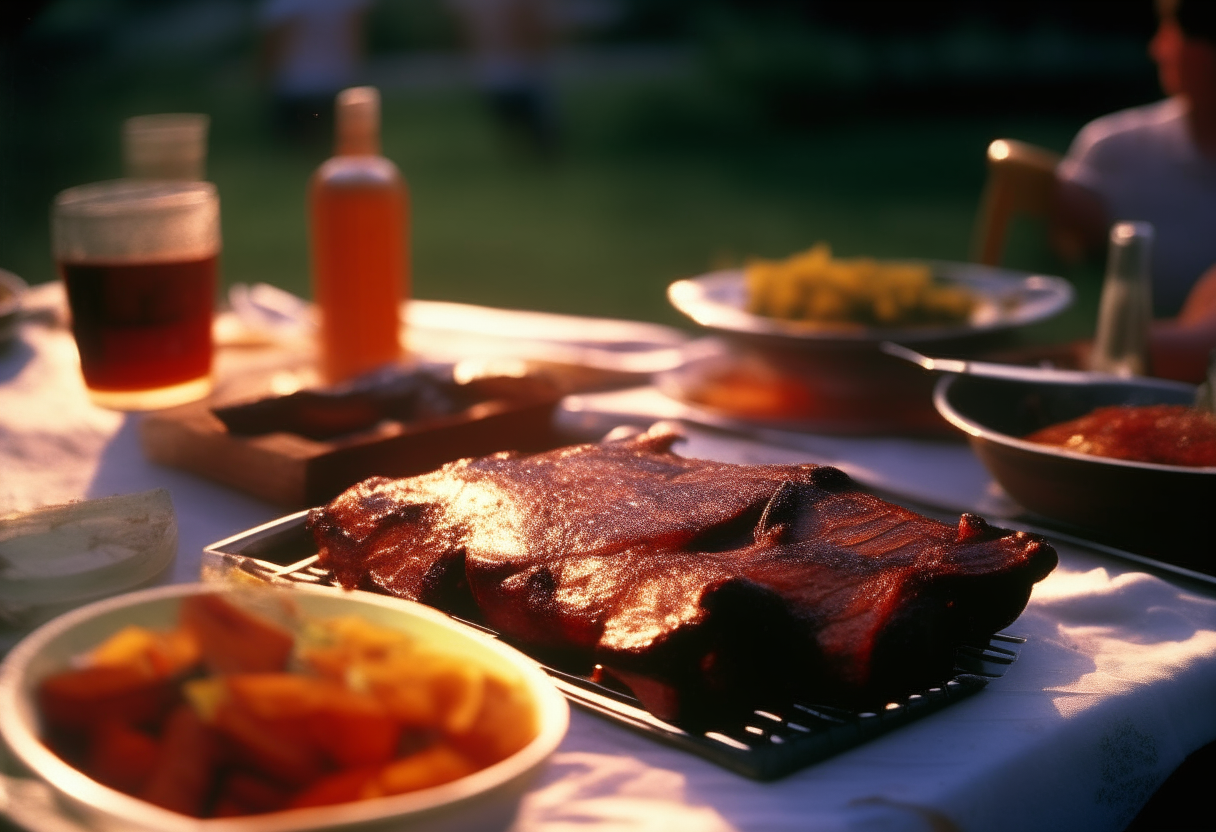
1158	163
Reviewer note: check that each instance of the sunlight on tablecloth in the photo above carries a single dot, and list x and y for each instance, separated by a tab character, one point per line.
51	437
1113	688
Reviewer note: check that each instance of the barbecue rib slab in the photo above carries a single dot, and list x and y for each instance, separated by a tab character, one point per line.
703	586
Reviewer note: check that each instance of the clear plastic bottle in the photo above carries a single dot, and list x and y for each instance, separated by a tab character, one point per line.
1125	309
359	214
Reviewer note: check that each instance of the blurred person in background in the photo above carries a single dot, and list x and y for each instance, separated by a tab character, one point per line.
510	43
1158	163
312	49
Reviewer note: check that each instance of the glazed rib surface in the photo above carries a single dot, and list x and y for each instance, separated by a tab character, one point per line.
701	585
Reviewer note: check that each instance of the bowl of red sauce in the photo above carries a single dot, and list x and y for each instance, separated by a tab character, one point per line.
1124	461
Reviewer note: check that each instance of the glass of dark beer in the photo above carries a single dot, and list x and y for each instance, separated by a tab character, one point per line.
139	260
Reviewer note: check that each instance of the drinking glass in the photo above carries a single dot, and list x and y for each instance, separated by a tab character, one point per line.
140	260
165	146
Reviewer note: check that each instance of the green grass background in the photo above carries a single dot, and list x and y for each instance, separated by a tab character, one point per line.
656	180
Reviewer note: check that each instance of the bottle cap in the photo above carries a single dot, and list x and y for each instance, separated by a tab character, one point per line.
1128	230
1131	244
357	119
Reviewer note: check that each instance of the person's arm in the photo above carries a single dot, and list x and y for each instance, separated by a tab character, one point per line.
1179	347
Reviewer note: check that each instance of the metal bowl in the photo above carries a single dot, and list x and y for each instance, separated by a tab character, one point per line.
1147	507
486	799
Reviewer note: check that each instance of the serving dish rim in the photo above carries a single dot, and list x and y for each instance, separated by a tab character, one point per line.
977	430
18	720
687	295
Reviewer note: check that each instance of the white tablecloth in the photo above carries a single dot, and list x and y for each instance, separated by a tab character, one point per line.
1114	687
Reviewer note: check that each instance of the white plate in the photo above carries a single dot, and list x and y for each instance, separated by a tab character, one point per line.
1007	299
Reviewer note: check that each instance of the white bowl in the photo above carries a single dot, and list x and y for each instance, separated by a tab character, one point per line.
487	799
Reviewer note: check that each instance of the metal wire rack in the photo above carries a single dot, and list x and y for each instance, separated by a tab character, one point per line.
765	745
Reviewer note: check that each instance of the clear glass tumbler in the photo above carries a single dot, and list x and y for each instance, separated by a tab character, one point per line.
140	262
165	146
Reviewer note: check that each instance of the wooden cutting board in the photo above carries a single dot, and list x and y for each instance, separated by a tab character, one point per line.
295	471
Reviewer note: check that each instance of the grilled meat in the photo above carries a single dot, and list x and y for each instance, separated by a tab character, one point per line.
701	585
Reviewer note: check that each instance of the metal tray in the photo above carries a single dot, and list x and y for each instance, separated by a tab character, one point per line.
765	746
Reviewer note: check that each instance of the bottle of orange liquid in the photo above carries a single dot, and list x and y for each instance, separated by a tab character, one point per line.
359	211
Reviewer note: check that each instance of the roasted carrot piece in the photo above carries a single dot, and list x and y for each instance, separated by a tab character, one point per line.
341	787
333	646
249	794
352	739
351	729
267	747
505	723
426	690
431	767
233	640
80	700
158	653
122	757
226	807
185	769
284	694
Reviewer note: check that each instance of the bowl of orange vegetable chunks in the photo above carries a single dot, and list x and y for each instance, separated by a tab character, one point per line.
198	707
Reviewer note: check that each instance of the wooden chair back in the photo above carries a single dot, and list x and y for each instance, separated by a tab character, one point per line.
1021	180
